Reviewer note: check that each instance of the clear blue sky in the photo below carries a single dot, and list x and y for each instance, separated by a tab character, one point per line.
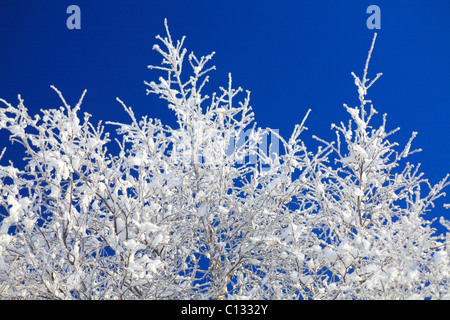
291	55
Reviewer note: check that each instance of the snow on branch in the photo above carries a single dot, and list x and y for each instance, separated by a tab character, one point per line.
210	209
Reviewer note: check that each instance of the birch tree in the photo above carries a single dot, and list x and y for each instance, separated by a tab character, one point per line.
373	240
208	209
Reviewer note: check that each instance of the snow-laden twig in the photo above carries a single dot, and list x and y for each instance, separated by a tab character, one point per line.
210	209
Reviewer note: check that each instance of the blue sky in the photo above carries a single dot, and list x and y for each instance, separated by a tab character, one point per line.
291	55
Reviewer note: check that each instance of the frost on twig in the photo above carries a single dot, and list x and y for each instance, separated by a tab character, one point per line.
209	209
374	200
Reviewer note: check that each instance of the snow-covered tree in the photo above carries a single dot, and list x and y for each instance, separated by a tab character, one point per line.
209	210
371	238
